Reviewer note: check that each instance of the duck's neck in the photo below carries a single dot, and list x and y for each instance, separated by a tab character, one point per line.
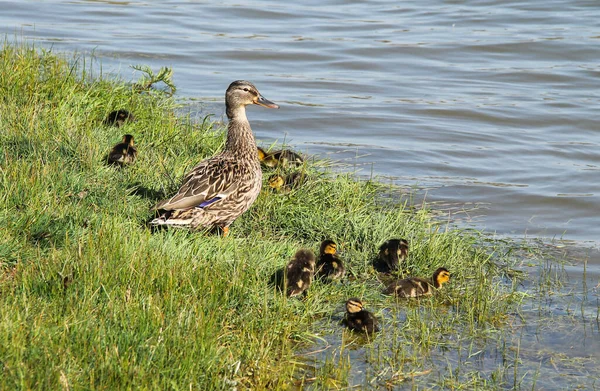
239	134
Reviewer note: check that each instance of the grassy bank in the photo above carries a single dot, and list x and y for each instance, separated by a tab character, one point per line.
92	299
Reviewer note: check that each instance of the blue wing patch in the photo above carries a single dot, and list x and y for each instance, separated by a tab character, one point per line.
209	202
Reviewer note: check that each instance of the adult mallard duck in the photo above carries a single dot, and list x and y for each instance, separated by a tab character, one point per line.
330	266
416	287
119	117
123	153
391	254
359	319
299	272
221	188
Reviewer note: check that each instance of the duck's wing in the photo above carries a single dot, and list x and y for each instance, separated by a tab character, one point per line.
209	182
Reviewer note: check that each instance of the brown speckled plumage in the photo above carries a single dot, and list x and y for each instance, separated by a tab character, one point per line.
221	188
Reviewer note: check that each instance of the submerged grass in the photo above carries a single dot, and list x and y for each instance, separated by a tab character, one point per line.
91	298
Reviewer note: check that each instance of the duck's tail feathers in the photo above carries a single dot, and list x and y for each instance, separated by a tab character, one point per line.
165	220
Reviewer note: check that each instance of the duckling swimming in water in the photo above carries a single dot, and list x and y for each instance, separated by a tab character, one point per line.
291	181
330	266
299	272
123	153
119	117
359	319
391	254
416	287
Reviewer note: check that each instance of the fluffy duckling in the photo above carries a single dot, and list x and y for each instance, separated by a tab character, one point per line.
291	181
119	117
416	287
123	153
299	272
286	158
330	266
359	319
262	154
283	158
391	254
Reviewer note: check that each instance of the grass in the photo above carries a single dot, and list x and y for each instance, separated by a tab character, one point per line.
90	298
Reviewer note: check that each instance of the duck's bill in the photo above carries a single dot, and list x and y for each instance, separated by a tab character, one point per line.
266	103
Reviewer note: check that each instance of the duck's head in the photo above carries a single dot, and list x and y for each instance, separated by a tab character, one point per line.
276	181
354	305
440	276
243	93
328	247
128	139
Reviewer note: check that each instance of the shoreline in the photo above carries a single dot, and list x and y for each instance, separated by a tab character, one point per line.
92	299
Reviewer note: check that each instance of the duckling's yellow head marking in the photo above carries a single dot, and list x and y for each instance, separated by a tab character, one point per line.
276	181
441	276
328	247
261	153
354	305
128	139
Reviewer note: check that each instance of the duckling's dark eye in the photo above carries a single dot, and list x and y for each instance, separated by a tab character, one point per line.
245	89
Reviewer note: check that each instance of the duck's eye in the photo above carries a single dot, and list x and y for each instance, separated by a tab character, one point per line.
245	89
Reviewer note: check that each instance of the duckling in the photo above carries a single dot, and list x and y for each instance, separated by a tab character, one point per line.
285	158
299	272
282	158
359	319
119	117
391	253
123	153
291	181
262	154
330	266
416	287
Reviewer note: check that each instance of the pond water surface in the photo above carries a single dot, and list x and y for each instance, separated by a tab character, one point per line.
487	104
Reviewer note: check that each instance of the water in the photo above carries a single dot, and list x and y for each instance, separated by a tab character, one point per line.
483	102
552	342
486	103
